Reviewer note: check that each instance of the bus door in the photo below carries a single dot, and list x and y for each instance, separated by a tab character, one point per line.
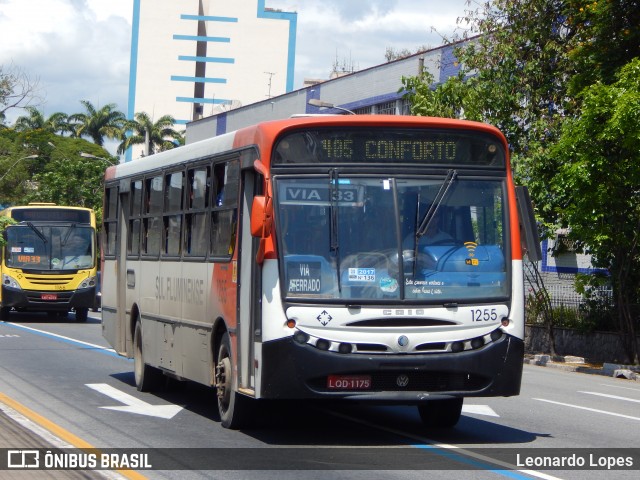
249	287
112	283
121	270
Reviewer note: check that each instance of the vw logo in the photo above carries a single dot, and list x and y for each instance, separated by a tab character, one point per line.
403	341
402	380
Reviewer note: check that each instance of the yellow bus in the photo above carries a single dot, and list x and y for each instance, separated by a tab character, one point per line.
49	262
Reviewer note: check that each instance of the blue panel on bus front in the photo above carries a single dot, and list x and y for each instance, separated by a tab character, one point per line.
445	266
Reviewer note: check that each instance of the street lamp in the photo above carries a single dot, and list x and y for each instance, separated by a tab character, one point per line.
30	157
88	155
316	102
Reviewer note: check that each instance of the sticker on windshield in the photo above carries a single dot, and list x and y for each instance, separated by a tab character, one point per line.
362	274
388	284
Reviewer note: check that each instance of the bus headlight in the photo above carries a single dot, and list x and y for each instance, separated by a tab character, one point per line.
10	282
88	282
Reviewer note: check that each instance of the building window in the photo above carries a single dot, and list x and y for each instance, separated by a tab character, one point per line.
387	108
362	111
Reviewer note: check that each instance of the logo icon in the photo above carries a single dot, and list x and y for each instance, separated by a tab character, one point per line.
23	459
471	248
324	318
402	380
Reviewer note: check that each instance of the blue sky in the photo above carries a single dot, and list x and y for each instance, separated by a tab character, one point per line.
79	49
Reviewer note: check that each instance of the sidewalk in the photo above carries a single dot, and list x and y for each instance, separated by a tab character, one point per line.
16	436
578	364
19	433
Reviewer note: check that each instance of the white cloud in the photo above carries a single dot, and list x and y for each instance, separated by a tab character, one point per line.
80	49
357	32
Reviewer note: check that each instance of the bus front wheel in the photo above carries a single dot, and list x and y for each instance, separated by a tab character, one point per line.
232	406
82	314
441	413
147	378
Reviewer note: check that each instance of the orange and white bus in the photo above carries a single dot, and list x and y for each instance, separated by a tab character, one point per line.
49	262
368	258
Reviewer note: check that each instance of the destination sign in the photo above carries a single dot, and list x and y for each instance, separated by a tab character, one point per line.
344	195
50	215
390	145
304	277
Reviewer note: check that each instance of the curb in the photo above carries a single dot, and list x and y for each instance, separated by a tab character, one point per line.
578	364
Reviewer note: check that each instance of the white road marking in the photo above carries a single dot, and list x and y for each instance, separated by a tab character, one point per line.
620	386
616	397
133	404
479	410
62	337
595	410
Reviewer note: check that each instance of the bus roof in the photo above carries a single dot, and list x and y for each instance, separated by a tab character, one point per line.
265	133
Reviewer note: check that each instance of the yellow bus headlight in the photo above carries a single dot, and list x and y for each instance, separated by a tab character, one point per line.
10	282
88	282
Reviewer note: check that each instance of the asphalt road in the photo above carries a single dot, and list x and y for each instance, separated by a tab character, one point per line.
65	373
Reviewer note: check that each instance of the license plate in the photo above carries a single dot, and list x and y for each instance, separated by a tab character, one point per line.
48	296
349	382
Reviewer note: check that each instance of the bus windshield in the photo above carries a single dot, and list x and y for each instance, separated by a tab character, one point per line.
341	237
50	247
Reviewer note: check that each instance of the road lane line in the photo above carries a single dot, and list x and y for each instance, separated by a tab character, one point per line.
60	433
595	410
481	461
615	397
620	386
73	341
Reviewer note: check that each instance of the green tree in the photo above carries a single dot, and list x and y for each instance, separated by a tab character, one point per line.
155	136
40	166
106	122
69	178
55	123
20	159
598	187
607	38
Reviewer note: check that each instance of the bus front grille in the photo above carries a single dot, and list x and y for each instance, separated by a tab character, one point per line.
47	280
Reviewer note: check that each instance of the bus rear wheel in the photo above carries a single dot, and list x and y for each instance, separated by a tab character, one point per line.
441	413
232	406
147	377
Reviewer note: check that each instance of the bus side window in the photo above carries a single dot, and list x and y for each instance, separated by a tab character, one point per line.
172	219
133	242
224	214
151	225
111	220
196	216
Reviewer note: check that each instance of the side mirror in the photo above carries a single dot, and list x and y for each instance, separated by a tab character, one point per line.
261	216
528	226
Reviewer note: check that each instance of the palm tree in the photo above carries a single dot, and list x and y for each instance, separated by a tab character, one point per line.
98	124
155	136
56	123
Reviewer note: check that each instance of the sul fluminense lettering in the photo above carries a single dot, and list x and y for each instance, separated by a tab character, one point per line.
179	289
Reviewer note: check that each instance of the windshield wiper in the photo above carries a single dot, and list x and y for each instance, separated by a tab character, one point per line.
37	232
437	201
66	236
334	244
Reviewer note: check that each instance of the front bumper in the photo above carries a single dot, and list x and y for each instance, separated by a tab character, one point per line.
36	300
292	370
